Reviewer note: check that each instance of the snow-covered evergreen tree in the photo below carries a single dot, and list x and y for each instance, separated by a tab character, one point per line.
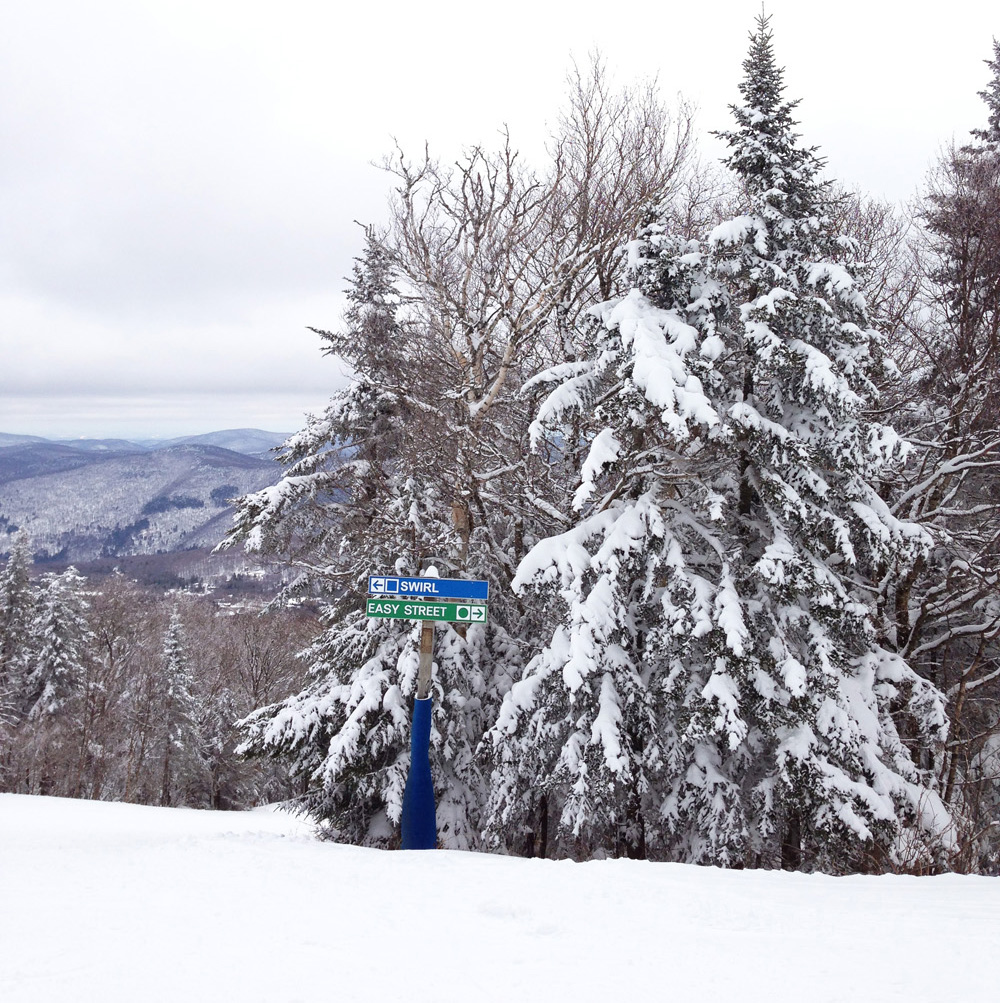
17	611
178	739
61	636
366	491
989	137
54	683
715	688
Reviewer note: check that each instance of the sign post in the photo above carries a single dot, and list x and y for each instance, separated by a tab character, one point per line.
419	820
396	598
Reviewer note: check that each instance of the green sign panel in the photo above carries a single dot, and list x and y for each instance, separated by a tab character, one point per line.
449	612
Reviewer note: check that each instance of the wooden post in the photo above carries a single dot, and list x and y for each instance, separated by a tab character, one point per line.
426	660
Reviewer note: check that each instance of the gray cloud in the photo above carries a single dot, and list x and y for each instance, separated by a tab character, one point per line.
180	179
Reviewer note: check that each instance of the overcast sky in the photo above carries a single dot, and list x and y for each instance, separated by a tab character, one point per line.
179	180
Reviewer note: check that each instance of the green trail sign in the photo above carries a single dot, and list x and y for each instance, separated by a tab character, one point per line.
448	612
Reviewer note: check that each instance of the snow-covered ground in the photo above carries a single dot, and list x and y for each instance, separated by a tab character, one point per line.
112	902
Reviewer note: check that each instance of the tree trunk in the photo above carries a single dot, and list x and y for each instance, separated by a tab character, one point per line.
791	843
543	833
165	788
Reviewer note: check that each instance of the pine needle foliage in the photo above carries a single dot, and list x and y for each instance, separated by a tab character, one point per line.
715	689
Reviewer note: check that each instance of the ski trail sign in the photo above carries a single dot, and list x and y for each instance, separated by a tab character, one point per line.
394	587
413	609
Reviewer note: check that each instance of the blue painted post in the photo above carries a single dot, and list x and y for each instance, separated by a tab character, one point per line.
419	820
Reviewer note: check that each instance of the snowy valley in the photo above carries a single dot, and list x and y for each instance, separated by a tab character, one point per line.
89	500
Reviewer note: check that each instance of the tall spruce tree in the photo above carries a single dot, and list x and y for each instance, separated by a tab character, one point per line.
366	491
989	137
179	739
61	634
715	689
55	682
17	611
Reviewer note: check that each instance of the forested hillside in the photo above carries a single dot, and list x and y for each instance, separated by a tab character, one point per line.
81	502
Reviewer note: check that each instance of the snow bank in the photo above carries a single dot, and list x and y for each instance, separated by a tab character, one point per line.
109	902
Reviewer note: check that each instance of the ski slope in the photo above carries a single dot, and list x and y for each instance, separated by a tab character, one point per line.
113	902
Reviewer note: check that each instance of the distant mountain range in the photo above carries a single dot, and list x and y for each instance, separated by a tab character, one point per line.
88	500
252	441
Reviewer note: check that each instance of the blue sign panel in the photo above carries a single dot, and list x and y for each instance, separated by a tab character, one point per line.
427	588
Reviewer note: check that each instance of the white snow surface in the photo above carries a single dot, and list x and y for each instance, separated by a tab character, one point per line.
113	902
